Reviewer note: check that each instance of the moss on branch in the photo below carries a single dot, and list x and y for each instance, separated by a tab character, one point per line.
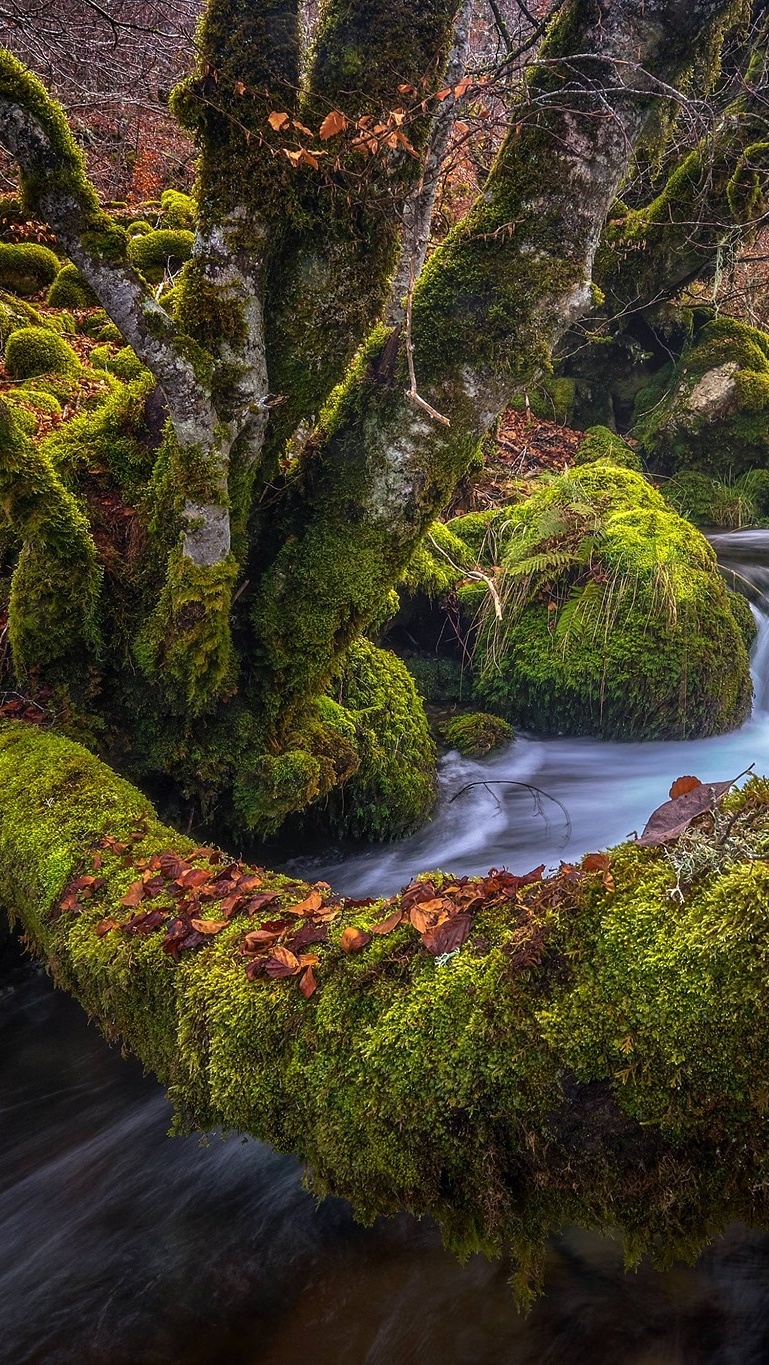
56	584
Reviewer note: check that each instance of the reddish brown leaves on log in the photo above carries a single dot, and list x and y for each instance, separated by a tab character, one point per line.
669	821
353	940
448	936
682	785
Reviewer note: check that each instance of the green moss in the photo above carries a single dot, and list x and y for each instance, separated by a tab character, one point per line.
16	313
393	790
71	290
440	680
156	253
480	530
26	268
602	444
109	332
188	641
32	351
712	412
593	1054
477	733
38	399
113	440
617	621
126	364
179	210
56	584
438	562
139	228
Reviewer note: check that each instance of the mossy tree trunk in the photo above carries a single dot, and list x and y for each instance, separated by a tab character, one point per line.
265	581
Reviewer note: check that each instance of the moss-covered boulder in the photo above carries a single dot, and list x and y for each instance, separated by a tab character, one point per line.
26	268
159	253
709	412
394	788
71	290
602	444
477	733
617	622
178	210
32	351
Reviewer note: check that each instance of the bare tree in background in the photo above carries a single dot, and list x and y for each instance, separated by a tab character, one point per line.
112	65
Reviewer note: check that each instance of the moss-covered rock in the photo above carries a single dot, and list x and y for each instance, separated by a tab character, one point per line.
477	733
710	412
602	444
71	290
26	268
393	790
158	253
617	622
32	351
178	210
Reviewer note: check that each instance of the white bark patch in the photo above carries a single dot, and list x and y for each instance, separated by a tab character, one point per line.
207	538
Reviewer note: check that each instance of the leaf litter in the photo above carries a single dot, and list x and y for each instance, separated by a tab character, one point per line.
437	913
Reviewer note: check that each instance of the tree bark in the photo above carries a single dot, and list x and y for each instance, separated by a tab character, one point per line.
492	302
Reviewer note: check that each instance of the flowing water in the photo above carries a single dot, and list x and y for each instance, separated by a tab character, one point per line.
119	1246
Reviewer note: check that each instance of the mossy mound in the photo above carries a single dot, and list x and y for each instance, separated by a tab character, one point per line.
16	313
477	733
158	253
26	268
617	622
178	210
602	444
124	363
71	290
32	351
394	788
711	411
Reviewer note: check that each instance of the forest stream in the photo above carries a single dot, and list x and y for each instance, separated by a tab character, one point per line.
119	1246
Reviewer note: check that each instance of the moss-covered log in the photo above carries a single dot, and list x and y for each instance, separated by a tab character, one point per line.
596	1051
